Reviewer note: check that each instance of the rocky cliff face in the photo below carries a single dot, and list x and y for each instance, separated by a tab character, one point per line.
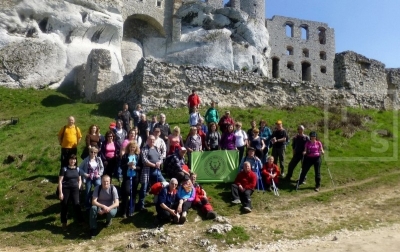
42	41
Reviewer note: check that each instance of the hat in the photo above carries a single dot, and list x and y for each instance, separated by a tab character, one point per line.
279	122
250	148
300	127
113	125
313	134
227	112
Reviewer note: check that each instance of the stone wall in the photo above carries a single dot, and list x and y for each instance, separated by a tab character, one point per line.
160	84
356	72
291	54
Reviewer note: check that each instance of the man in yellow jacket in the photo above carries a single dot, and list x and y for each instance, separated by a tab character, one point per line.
69	137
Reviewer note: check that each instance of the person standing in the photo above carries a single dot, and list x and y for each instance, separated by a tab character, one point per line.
241	139
213	138
125	116
151	172
144	129
225	121
153	123
160	144
228	139
212	115
279	138
298	144
253	125
193	143
164	128
312	156
193	101
69	137
265	134
137	115
69	182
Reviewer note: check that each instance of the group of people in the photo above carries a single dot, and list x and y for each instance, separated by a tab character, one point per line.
140	152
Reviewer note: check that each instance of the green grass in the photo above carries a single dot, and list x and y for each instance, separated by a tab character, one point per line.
29	211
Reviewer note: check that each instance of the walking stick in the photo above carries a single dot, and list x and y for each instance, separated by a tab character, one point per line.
131	198
301	169
275	188
330	175
259	180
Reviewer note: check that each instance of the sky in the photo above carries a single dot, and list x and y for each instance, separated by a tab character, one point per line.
367	27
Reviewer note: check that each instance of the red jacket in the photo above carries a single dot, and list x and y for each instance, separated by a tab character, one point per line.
193	100
248	180
268	170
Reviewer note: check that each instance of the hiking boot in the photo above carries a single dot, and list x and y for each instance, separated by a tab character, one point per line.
182	220
211	215
108	223
92	233
176	219
247	209
236	201
316	189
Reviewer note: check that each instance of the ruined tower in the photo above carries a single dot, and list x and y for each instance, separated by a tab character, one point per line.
255	8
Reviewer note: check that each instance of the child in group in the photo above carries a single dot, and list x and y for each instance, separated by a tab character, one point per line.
270	171
201	201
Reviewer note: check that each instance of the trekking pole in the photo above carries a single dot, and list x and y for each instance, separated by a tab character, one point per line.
131	198
329	172
301	169
275	188
259	180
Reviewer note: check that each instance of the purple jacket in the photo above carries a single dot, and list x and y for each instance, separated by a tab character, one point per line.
228	141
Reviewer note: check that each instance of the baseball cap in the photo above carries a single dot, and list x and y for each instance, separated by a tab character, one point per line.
313	134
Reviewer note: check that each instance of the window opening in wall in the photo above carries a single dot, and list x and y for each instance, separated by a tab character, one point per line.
304	32
289	30
254	59
322	55
323	69
365	66
305	71
275	68
159	2
306	53
290	65
289	50
322	35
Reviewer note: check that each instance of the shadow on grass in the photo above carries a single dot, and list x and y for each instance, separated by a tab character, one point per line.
55	101
108	109
74	231
142	219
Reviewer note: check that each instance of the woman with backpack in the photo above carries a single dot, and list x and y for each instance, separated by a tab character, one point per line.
69	182
92	169
312	156
129	162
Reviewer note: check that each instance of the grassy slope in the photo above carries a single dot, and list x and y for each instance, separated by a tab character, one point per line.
29	211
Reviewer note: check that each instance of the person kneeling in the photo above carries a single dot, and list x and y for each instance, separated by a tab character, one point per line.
167	202
243	187
201	201
270	172
105	201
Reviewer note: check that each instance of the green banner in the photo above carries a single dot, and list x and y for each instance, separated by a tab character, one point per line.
215	166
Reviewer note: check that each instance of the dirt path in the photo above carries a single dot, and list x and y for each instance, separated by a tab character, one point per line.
372	214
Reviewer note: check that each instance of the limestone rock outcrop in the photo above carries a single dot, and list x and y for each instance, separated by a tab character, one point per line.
43	41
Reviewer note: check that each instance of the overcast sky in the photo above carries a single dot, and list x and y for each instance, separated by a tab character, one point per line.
368	27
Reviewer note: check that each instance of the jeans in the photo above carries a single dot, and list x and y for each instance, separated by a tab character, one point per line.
93	216
245	196
88	187
154	176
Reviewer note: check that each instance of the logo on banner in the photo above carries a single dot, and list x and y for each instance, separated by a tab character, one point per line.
215	166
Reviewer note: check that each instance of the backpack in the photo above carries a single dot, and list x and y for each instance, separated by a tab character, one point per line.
57	190
157	187
99	190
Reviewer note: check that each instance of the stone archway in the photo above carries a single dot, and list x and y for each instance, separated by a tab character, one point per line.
143	36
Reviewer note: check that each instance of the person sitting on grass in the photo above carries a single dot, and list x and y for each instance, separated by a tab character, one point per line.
270	171
174	166
255	162
167	202
186	194
105	201
201	201
243	187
